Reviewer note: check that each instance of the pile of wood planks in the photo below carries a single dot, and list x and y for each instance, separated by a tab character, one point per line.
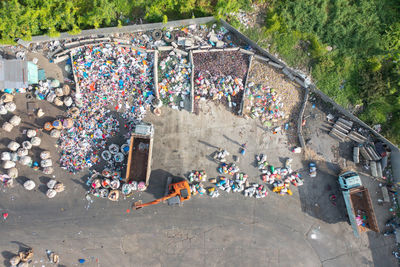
341	129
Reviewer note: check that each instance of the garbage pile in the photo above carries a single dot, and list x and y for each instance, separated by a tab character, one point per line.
218	87
175	73
54	187
188	37
80	144
6	180
52	91
220	76
280	178
109	77
237	183
19	153
109	184
22	259
265	103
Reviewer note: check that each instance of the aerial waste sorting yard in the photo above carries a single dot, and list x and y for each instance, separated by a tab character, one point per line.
193	116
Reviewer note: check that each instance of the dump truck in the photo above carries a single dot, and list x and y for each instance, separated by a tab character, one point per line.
358	203
139	157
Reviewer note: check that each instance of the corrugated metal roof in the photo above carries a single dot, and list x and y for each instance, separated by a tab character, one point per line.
395	161
13	73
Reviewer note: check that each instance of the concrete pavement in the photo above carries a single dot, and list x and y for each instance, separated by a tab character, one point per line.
229	230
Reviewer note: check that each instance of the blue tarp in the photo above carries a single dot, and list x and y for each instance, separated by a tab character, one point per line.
33	76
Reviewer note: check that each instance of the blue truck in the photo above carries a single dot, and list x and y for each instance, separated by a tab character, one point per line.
358	203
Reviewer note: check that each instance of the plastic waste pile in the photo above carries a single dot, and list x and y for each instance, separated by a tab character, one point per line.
109	77
53	92
238	183
175	79
19	153
220	155
54	187
230	169
80	145
6	180
280	178
109	184
265	103
197	176
218	87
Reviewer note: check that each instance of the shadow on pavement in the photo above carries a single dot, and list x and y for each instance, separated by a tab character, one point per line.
7	255
158	181
315	195
380	251
207	144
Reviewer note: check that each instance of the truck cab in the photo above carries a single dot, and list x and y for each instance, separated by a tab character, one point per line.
349	179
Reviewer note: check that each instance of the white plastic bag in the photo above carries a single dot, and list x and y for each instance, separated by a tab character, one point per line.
5	156
35	141
51	193
8	164
15	120
29	185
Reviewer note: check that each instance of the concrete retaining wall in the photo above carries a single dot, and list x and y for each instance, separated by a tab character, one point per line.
155	75
300	119
123	29
246	80
191	82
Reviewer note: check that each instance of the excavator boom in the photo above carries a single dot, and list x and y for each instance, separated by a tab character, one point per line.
180	189
139	205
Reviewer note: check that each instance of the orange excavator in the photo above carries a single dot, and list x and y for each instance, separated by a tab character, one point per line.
177	193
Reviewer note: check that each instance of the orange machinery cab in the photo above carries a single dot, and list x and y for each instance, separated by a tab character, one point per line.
181	189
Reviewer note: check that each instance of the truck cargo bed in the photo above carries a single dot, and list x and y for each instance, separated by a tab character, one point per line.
139	160
358	201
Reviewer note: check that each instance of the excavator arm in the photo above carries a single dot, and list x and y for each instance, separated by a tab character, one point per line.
139	204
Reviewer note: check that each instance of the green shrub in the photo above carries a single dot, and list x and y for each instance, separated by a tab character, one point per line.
165	19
